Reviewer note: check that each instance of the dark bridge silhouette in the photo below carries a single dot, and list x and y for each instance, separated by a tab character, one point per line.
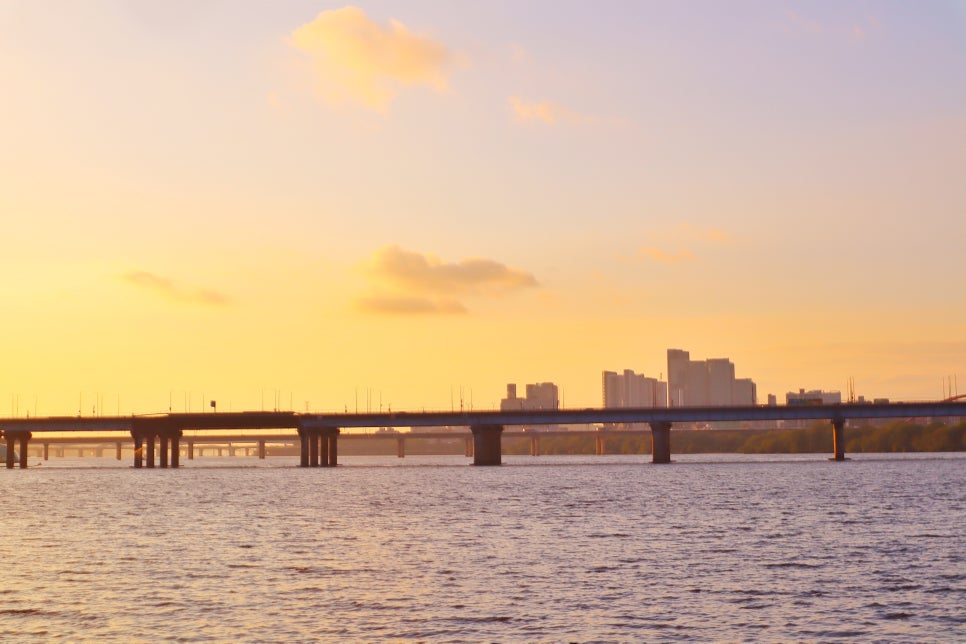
318	433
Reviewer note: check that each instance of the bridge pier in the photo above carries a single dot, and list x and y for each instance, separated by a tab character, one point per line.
14	437
333	438
600	447
400	447
117	447
535	445
303	447
324	449
175	437
314	449
660	442
838	439
191	450
261	450
468	447
138	449
487	449
46	451
319	447
144	432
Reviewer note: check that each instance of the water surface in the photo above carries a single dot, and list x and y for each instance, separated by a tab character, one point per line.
612	548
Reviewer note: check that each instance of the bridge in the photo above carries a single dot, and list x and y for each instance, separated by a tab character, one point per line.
318	433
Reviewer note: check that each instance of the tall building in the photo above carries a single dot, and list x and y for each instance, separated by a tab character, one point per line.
721	381
746	392
696	389
697	383
677	376
542	395
631	389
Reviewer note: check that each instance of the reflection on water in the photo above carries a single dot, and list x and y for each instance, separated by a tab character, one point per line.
714	547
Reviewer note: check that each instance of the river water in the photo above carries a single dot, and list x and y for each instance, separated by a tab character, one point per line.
546	549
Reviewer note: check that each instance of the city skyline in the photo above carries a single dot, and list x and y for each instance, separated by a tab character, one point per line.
292	204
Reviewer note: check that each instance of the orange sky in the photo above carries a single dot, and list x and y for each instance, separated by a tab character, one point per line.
313	203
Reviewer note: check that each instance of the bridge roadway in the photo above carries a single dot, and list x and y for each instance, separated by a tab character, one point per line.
318	433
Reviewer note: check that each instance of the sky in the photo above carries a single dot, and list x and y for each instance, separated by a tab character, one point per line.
407	205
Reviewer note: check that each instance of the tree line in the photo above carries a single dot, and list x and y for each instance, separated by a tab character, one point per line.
897	436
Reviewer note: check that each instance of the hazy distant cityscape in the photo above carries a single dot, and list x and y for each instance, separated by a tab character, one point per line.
690	383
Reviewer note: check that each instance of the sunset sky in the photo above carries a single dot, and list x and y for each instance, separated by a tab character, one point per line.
309	204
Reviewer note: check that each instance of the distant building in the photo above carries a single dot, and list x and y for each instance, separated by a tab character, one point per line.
677	376
814	397
745	392
542	395
697	383
629	389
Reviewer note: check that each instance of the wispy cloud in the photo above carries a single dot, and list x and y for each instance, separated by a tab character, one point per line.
423	283
429	274
358	60
171	290
547	112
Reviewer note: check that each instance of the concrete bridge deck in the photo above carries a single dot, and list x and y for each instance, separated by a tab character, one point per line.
318	433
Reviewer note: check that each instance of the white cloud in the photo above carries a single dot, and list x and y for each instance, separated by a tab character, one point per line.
357	60
409	282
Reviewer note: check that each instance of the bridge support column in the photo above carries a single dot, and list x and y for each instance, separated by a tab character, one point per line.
314	448
175	437
149	452
325	448
117	447
138	449
163	450
487	449
534	445
303	447
191	450
12	439
46	451
330	437
660	442
24	438
468	447
10	444
600	446
261	450
400	447
838	439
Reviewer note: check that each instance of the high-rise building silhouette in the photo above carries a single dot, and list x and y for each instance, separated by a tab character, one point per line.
631	389
542	395
697	383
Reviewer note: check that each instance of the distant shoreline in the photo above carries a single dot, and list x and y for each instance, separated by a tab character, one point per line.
894	437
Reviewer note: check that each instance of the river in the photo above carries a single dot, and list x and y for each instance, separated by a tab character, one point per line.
541	549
